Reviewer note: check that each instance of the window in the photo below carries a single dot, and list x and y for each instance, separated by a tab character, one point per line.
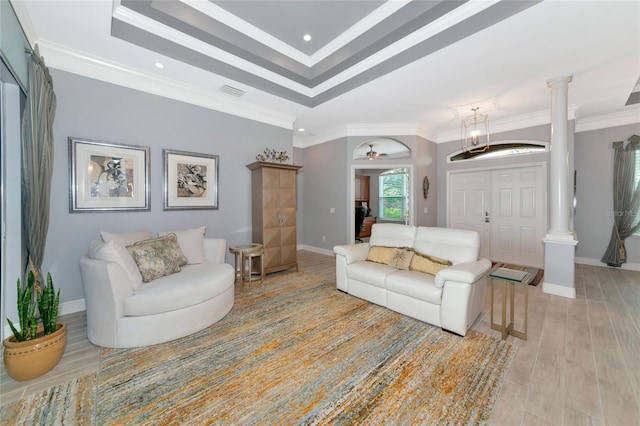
501	149
394	194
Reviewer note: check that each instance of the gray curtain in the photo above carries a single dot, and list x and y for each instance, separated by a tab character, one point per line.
37	158
626	200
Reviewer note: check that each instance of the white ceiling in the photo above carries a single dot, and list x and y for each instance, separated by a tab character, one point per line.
502	68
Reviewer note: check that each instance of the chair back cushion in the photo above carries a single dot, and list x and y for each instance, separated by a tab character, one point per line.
392	235
456	245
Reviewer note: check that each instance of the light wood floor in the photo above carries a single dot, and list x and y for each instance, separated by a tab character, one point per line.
579	366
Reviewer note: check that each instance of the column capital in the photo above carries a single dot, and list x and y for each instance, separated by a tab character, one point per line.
559	81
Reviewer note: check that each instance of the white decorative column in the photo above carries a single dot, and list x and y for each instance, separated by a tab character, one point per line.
560	242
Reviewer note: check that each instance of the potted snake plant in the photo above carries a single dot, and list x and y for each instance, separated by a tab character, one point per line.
38	345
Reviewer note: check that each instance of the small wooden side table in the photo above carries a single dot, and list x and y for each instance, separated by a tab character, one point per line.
243	257
509	278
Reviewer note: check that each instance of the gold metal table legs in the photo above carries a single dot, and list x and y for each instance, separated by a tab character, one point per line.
503	327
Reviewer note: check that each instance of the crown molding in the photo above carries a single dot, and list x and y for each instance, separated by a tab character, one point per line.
524	121
366	129
81	63
382	129
328	136
622	118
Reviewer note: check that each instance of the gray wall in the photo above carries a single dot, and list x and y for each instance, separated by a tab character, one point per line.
327	172
325	182
426	166
538	133
96	110
594	166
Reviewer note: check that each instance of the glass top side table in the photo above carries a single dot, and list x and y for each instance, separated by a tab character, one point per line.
509	278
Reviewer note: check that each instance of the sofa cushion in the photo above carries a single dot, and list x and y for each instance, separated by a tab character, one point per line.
428	264
191	241
392	235
369	272
157	257
457	245
194	284
112	252
401	258
380	254
125	239
414	284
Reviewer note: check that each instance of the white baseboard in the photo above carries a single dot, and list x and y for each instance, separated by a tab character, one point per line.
559	290
316	250
596	262
64	309
72	307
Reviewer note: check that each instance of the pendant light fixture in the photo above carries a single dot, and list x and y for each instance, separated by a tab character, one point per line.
475	132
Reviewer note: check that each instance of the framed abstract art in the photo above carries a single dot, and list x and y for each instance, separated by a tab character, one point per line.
107	177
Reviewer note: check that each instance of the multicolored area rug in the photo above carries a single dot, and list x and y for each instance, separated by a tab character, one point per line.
71	403
295	351
306	353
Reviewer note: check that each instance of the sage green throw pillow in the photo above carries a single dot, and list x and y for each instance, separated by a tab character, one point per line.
158	257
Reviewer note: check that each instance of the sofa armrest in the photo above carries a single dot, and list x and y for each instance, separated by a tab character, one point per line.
467	272
215	250
352	252
463	288
346	255
106	285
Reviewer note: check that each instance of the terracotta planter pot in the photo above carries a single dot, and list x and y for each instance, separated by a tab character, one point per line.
33	358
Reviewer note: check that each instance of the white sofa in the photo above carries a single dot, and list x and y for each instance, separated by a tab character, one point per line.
164	309
452	299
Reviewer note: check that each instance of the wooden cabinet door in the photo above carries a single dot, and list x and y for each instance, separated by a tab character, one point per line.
288	242
274	213
362	188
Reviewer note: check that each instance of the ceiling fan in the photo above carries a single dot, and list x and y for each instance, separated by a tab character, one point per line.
372	155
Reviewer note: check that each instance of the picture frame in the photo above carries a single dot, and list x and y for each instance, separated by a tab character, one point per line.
108	177
190	180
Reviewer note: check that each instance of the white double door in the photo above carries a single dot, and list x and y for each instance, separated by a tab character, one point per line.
507	207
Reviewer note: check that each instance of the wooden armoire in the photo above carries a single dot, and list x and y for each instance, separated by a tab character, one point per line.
273	210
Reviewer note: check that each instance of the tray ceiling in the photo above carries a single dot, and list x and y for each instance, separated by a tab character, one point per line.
371	68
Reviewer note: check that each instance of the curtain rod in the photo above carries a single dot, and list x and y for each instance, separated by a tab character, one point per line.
633	142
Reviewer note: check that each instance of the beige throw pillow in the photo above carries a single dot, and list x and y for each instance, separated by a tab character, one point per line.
158	257
401	257
428	264
380	254
191	242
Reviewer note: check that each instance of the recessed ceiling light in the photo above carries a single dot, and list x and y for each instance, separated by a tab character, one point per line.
307	37
159	65
301	129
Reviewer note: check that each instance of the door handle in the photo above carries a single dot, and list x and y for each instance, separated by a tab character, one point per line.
486	217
